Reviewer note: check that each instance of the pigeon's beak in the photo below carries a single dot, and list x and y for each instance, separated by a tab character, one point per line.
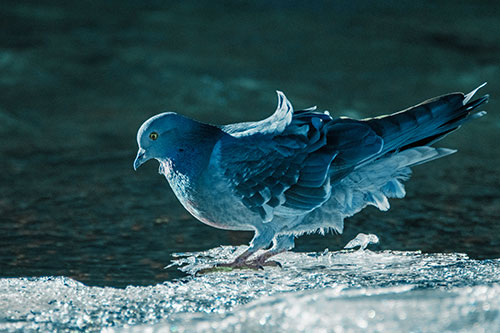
140	158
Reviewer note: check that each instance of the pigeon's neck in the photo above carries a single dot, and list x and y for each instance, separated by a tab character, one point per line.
190	153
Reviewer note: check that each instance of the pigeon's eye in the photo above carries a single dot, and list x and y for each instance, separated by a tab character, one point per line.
153	136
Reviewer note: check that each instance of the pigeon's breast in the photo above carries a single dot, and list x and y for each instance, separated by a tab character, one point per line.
208	198
219	207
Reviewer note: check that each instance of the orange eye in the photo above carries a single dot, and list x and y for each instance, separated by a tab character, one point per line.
153	136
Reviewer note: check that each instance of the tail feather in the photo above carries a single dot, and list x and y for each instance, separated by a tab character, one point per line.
469	96
427	122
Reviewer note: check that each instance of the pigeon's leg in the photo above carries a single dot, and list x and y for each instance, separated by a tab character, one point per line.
261	239
281	243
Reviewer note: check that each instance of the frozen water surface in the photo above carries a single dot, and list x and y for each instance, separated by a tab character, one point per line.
335	291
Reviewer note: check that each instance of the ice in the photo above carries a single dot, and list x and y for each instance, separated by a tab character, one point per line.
395	309
362	240
340	291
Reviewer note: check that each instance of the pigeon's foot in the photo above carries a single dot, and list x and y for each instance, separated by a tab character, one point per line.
242	262
258	263
228	267
268	263
255	264
239	265
251	264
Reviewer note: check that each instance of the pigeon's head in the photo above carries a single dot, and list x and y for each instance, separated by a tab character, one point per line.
158	136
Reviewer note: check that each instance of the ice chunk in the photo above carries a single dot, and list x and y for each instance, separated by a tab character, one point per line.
362	240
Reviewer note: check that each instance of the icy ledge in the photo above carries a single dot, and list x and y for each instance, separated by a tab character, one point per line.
348	289
391	309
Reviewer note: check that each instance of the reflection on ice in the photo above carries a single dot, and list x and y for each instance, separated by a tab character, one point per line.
348	289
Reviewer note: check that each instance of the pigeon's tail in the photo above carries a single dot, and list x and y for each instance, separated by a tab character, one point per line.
427	122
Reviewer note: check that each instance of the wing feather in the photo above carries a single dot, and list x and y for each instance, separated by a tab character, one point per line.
284	167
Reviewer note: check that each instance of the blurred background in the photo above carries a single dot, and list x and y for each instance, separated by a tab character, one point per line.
78	78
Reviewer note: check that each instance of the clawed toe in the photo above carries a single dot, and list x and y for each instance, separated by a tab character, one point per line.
268	263
252	264
234	265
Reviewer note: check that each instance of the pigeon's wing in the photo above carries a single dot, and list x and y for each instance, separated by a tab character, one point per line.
287	171
274	124
356	143
277	174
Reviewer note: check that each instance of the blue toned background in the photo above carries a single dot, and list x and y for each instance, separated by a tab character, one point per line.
77	79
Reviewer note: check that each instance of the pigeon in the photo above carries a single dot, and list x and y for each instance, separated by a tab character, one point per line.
296	172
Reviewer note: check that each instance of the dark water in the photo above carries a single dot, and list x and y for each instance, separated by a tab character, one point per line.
78	79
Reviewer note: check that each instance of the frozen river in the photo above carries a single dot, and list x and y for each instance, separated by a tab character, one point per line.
343	291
